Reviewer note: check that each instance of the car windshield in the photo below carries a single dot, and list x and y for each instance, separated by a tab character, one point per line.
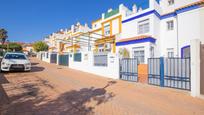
15	56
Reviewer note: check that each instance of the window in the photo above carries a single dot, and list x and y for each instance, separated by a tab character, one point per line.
143	26
170	2
186	52
139	53
107	30
101	48
151	52
15	56
170	25
170	52
95	25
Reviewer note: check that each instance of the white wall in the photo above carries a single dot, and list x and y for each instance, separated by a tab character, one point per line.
115	24
154	6
168	37
195	67
130	29
111	71
189	27
157	35
44	58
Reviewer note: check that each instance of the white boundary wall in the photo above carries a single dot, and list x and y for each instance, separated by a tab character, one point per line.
87	65
45	58
195	68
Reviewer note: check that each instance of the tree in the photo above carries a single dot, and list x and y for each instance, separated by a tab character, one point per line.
40	46
124	53
14	47
3	35
11	47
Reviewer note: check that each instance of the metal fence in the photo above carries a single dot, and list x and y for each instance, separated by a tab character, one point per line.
177	73
129	69
101	59
53	58
169	72
154	71
77	57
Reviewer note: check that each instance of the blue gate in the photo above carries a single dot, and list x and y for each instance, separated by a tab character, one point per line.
129	69
64	60
170	72
154	71
77	57
53	58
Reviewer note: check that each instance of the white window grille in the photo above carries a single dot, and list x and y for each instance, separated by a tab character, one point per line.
107	30
139	53
170	2
170	25
143	26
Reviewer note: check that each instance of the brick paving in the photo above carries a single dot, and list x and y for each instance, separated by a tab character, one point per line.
55	90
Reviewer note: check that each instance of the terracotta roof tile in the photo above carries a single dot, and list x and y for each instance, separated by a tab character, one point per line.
52	47
188	5
192	4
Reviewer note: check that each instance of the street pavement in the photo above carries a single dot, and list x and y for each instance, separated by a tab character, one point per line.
57	90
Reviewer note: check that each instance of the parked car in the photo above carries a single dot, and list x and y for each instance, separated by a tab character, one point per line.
32	54
13	61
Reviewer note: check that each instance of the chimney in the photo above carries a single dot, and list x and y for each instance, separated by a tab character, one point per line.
86	25
72	28
140	9
78	23
121	6
109	10
103	16
134	8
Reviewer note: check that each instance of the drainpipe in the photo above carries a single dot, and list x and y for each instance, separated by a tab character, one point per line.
177	35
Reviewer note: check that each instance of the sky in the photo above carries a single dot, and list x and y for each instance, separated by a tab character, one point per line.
32	20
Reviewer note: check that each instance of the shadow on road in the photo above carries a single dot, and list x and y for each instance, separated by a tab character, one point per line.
34	63
3	96
3	80
74	102
37	69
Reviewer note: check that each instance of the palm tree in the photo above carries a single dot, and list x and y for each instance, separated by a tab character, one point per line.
3	35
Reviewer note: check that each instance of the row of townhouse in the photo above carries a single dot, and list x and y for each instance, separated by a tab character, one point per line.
158	45
165	28
64	40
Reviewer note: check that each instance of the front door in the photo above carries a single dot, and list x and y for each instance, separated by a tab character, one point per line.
202	68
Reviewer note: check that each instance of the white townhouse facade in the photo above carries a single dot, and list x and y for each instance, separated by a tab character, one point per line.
165	29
